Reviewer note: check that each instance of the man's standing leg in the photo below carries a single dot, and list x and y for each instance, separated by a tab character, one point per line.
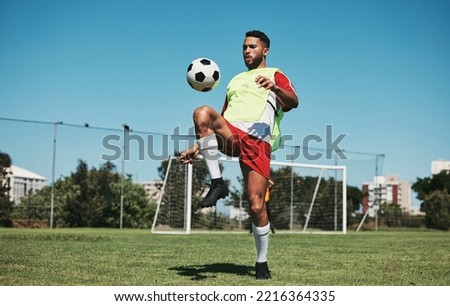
256	187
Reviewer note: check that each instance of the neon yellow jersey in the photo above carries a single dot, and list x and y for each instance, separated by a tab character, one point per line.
246	102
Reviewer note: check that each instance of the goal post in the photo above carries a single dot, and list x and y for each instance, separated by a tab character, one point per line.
164	202
324	186
306	198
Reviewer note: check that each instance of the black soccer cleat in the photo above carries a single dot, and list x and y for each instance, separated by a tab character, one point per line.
262	270
216	192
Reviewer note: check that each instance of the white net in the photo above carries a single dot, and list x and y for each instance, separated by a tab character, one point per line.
304	198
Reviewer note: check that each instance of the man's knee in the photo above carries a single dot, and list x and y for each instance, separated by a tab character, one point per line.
257	206
202	113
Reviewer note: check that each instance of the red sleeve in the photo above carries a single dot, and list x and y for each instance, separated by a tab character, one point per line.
282	81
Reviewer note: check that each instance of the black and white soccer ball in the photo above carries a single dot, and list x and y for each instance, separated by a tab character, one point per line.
203	74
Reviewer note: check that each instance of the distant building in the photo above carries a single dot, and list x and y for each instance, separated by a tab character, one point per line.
438	166
386	189
153	189
23	183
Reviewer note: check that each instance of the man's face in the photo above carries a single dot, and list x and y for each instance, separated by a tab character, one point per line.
254	52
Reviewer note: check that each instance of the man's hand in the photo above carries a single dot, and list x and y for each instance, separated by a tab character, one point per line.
287	98
266	83
188	155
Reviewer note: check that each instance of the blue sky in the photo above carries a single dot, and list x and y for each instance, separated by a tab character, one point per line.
378	71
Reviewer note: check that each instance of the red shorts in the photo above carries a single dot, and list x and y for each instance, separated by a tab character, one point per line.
252	151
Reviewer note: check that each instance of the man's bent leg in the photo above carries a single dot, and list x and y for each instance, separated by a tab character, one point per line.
210	151
210	126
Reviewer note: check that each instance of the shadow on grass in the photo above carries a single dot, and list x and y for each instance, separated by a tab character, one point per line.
200	272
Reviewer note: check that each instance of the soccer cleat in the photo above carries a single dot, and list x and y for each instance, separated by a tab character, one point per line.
216	192
262	270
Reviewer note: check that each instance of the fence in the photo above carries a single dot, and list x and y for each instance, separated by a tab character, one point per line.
52	150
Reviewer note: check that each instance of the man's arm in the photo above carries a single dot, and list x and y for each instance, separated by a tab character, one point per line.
287	98
283	89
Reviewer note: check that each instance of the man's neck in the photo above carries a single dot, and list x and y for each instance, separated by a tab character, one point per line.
259	67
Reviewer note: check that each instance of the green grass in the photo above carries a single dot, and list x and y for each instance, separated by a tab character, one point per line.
137	257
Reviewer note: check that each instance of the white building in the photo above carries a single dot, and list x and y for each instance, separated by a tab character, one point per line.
439	165
23	182
387	189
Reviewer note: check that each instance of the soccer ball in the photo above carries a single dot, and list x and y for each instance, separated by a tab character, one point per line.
203	74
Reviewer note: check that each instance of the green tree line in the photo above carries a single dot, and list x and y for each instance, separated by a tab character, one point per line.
6	205
291	196
434	192
90	197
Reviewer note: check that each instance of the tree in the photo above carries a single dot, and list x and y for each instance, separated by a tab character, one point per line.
354	198
6	205
434	192
437	209
392	214
428	185
91	198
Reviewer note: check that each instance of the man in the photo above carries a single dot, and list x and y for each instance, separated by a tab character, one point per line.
248	127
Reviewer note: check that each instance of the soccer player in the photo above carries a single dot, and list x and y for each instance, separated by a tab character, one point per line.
249	128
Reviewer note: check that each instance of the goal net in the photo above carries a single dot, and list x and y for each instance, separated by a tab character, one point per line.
304	198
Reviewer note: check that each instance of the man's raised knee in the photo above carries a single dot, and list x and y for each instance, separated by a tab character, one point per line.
202	111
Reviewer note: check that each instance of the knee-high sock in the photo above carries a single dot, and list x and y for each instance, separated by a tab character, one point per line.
261	235
209	149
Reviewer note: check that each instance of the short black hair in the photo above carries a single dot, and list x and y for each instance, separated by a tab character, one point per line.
261	35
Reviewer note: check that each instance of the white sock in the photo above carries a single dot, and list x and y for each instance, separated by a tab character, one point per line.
209	149
261	235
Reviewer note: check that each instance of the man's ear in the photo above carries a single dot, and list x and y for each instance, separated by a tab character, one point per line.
265	51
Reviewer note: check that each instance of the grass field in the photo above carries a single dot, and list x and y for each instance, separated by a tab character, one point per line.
137	257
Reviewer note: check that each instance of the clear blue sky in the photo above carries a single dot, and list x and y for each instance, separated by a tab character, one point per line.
378	71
